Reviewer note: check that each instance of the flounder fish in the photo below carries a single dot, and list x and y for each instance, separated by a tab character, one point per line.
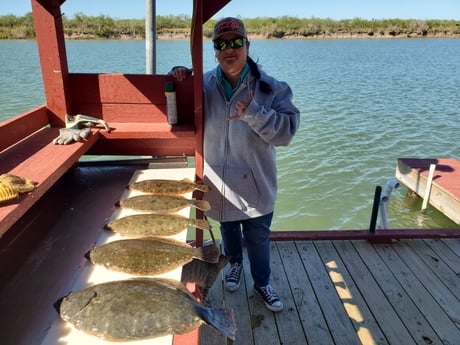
150	224
149	255
11	186
167	187
203	274
162	203
140	308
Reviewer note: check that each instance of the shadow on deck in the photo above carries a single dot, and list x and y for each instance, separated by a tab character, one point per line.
351	292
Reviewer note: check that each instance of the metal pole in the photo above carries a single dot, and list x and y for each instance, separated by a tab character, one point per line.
385	201
429	181
150	37
375	209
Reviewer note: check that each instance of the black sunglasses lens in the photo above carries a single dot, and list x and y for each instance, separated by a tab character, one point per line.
234	43
220	45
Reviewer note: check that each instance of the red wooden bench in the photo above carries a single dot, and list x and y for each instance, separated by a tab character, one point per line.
26	150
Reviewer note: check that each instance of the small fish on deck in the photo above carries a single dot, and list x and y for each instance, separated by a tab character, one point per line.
11	186
149	255
162	203
167	187
150	224
141	308
203	274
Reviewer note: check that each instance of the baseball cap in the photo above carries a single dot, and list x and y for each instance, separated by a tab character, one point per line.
229	25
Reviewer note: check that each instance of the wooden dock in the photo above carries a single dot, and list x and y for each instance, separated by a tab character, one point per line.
336	286
445	189
351	292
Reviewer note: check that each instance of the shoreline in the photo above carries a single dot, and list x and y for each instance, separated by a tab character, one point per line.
185	35
324	36
178	28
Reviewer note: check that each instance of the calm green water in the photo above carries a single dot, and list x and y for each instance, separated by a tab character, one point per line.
364	103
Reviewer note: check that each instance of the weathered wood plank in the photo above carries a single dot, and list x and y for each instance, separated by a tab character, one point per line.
424	273
340	325
454	245
308	309
287	322
355	305
374	287
438	266
261	321
449	255
397	315
432	311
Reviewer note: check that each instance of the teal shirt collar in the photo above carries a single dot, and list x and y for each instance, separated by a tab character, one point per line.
229	91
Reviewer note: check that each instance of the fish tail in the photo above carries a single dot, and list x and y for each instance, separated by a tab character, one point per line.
220	318
197	186
7	192
202	224
202	205
210	253
202	187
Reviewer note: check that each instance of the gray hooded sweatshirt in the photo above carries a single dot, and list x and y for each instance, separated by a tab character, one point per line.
239	155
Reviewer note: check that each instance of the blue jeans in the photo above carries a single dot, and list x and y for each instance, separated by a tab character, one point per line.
256	233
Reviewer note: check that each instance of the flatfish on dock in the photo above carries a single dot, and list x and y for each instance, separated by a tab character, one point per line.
140	308
203	274
11	186
150	224
149	255
167	187
162	203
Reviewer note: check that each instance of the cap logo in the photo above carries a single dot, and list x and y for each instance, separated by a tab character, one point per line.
228	26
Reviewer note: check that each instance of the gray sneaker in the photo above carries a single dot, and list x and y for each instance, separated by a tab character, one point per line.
232	277
271	299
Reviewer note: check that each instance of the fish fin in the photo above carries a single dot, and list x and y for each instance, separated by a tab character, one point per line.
7	192
87	255
221	319
203	188
202	205
174	284
210	253
223	260
108	227
200	187
57	304
202	224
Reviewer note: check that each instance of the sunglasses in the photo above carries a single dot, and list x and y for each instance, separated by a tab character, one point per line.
234	43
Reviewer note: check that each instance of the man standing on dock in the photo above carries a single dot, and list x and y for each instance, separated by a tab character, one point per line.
247	114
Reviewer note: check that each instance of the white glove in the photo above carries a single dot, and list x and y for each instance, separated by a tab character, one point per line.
69	135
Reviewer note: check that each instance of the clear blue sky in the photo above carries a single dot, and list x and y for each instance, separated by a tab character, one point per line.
335	9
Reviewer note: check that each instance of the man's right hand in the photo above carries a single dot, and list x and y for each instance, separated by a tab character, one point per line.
180	72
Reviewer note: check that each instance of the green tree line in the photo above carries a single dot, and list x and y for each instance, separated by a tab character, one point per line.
103	27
